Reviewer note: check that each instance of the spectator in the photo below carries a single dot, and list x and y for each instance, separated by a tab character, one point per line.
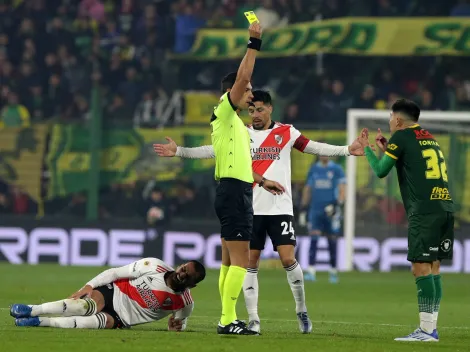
386	9
14	114
92	8
335	105
20	202
188	21
268	16
156	209
462	9
292	114
367	98
125	49
118	110
131	88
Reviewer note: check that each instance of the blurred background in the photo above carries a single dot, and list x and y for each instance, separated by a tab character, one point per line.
86	88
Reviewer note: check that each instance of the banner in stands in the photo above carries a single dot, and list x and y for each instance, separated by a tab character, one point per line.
127	155
113	245
21	158
346	36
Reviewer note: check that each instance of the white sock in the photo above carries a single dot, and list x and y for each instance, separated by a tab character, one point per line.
311	270
97	321
250	291
426	322
66	308
295	278
333	271
434	320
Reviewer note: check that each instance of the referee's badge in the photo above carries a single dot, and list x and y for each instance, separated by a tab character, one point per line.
278	139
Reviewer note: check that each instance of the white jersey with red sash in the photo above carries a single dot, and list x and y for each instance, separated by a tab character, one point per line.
145	297
271	153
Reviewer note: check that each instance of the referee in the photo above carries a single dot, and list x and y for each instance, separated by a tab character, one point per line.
234	194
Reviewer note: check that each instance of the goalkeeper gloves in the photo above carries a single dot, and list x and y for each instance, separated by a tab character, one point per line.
333	209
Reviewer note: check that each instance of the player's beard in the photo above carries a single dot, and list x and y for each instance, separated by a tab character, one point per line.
176	284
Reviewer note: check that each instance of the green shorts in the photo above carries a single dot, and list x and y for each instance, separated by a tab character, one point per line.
430	237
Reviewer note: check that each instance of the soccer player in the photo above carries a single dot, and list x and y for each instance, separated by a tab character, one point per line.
144	291
271	147
424	187
323	195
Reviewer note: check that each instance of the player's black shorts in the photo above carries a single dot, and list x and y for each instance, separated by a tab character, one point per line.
108	291
234	208
280	228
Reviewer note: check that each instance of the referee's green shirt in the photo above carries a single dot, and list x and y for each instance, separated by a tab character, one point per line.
231	143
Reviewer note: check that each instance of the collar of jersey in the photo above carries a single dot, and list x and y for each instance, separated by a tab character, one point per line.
414	126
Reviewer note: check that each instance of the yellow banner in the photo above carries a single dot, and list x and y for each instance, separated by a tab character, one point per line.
21	158
199	107
348	36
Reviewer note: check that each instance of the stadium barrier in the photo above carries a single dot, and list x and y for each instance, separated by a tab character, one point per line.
115	243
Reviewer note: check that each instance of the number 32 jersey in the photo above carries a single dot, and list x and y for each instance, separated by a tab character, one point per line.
422	171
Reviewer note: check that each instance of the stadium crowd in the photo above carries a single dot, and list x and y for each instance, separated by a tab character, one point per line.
52	52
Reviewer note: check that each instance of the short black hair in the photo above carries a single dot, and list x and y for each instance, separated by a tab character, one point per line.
262	96
200	269
408	108
228	81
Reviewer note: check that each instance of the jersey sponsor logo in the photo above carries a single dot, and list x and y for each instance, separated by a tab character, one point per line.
440	193
433	249
147	295
323	184
269	153
423	134
263	162
392	147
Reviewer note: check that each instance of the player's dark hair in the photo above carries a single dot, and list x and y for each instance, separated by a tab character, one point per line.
408	108
200	269
228	81
262	96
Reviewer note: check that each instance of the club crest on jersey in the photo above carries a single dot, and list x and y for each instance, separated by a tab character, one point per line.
167	302
330	174
278	139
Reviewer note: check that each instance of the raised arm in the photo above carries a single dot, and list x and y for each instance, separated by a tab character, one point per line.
245	71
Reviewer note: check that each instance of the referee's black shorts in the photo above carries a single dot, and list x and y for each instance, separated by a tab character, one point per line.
234	208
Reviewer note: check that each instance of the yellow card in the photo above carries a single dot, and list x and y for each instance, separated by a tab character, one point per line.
251	17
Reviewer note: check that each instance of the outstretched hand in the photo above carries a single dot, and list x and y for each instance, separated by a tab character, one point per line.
381	141
363	138
166	150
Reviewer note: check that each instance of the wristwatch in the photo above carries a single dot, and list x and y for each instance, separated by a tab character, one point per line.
262	182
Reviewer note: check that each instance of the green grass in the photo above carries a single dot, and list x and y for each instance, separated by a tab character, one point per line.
364	312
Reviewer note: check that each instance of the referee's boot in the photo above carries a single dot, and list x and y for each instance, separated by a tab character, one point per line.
236	327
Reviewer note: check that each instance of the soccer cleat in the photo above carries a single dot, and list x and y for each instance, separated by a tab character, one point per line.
20	311
418	335
34	321
435	334
236	327
310	277
305	324
333	278
254	325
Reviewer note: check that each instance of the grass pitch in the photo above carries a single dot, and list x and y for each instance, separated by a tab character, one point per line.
364	312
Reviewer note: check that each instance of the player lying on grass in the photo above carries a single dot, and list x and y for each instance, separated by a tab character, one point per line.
271	147
141	292
424	187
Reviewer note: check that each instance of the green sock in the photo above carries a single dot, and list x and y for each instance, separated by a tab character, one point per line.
222	276
437	300
426	297
232	287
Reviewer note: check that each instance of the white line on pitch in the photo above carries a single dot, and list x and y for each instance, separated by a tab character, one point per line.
330	322
342	322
